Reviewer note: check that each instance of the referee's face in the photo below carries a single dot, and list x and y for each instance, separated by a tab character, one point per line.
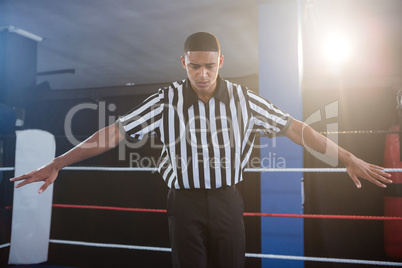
202	70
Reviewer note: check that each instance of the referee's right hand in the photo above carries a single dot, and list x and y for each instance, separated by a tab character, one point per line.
47	173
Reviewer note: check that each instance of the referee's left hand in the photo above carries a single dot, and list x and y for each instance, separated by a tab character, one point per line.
358	168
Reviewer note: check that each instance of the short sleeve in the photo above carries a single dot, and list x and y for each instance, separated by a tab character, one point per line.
267	117
143	119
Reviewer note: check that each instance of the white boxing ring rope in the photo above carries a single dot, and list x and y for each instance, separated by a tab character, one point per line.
4	245
152	169
6	169
251	255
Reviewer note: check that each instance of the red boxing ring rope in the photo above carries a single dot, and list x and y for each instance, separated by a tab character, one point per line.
348	217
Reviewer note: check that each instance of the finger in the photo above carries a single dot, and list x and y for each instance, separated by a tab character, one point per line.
380	171
47	183
43	187
383	177
376	167
29	178
25	182
376	179
382	180
376	182
22	177
356	181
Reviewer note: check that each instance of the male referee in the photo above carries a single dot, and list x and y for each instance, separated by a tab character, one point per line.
207	126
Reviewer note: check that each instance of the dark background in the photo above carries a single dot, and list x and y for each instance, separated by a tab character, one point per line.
335	193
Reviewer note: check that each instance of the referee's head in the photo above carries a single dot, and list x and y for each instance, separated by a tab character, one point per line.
202	60
202	41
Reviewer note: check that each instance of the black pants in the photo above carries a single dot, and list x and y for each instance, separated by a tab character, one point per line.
206	227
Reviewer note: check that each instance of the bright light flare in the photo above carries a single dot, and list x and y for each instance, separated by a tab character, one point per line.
337	49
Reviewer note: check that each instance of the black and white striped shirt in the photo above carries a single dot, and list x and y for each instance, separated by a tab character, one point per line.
205	145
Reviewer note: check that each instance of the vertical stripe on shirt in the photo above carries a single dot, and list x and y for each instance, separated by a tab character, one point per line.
236	135
194	147
226	147
216	181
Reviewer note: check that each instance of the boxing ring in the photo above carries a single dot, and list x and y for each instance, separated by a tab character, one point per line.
156	248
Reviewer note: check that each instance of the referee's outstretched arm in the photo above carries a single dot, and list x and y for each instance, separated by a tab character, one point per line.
100	142
300	133
304	135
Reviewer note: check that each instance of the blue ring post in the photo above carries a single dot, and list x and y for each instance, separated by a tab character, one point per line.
280	71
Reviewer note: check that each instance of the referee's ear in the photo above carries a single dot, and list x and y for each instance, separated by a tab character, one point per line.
220	61
183	61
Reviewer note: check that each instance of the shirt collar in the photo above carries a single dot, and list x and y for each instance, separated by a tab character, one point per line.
190	97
